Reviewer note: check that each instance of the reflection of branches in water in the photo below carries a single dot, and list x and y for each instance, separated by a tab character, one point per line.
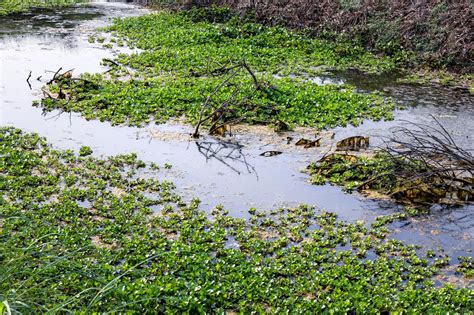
226	153
57	116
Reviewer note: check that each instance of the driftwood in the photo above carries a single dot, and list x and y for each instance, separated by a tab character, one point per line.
270	153
355	143
308	143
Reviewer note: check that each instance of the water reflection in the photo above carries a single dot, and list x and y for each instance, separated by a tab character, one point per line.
447	228
453	108
46	21
228	153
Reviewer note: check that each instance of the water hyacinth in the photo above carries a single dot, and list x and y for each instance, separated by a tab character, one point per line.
84	234
181	62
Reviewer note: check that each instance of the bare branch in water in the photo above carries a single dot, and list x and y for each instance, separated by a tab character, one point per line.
227	153
217	114
28	79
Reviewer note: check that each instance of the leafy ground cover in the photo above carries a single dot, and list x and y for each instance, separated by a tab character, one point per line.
429	40
13	6
466	266
83	234
185	58
435	34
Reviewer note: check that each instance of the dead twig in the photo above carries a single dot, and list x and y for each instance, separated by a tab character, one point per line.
117	65
218	113
54	76
28	79
206	103
427	155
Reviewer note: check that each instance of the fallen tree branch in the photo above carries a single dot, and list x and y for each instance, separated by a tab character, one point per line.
54	76
206	103
218	113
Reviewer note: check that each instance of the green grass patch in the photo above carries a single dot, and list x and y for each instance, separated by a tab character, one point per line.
294	101
83	234
202	38
354	172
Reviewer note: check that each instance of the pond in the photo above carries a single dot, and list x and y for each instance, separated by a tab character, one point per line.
227	171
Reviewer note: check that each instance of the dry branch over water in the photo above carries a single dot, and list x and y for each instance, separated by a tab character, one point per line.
421	165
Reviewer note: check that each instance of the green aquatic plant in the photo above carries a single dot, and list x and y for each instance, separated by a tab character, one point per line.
85	151
440	77
355	172
83	234
14	6
181	63
466	266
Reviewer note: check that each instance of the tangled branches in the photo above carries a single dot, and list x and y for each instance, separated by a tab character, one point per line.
420	165
427	160
221	115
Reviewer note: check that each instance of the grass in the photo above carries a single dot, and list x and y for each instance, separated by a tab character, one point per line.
83	234
15	6
178	67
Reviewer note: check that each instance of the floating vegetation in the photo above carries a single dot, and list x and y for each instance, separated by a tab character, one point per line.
461	81
355	172
14	6
422	165
82	234
466	266
396	178
85	150
223	72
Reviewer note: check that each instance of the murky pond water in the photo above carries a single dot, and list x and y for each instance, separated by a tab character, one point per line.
229	172
453	108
